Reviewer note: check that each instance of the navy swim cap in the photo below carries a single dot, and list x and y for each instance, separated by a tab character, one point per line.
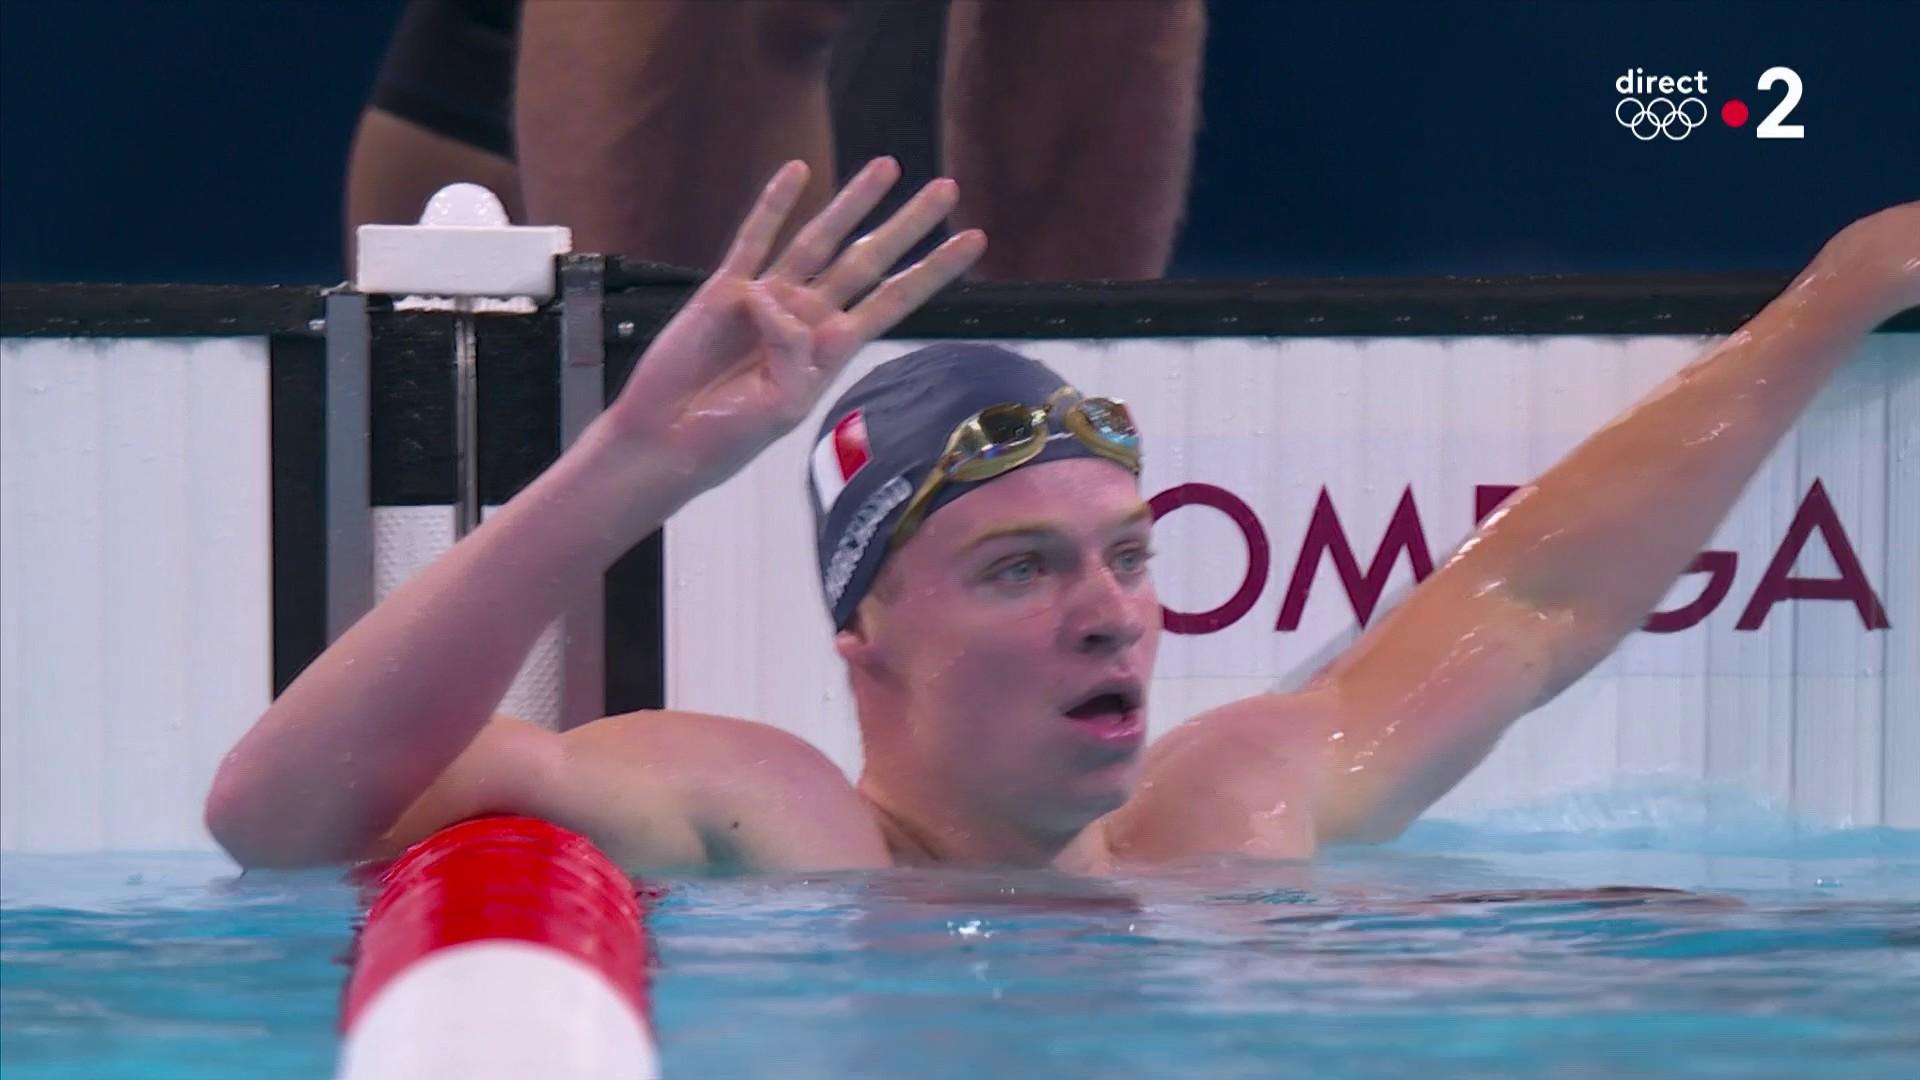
880	440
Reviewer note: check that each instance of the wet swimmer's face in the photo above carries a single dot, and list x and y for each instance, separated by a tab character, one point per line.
1020	624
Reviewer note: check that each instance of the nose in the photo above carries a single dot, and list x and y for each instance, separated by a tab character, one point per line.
1105	616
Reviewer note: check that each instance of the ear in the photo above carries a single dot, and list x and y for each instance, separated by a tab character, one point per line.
850	645
857	644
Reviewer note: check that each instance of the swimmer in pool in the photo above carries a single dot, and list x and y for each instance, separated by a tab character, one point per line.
983	547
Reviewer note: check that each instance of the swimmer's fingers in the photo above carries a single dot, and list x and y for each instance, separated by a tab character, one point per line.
754	239
867	258
899	296
789	344
813	247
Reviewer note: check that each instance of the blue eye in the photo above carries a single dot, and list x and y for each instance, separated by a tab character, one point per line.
1132	560
1019	572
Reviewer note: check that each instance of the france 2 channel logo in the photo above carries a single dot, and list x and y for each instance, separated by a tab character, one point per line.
1671	107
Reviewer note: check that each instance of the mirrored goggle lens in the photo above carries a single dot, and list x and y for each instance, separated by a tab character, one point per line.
1111	420
1006	426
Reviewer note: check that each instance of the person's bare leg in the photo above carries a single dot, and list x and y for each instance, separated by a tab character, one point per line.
395	166
1070	127
648	128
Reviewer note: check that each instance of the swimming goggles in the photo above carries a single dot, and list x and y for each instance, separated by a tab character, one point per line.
1001	438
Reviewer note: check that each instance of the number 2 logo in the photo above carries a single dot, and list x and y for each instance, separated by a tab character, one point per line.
1771	127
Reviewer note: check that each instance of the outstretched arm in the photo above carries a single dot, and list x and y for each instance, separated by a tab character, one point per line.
1545	589
365	730
1577	559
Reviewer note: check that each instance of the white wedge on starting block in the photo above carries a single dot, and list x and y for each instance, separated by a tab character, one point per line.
464	249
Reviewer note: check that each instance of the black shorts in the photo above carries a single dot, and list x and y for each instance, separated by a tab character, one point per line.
450	69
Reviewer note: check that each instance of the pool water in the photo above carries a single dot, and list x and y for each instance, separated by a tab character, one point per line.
1461	951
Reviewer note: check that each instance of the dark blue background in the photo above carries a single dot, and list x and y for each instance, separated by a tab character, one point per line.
205	140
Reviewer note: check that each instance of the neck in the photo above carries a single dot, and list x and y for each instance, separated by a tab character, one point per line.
928	820
925	827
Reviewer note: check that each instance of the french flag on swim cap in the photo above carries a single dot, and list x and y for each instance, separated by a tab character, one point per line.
841	453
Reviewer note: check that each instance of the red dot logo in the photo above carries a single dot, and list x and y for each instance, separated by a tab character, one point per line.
1734	113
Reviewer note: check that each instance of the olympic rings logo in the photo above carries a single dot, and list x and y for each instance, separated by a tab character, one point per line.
1660	116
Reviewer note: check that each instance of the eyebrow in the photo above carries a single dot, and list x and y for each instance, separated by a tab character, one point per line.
1002	531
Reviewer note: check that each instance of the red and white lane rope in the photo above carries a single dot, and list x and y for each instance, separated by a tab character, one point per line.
500	947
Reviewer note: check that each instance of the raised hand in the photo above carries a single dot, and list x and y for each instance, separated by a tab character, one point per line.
758	343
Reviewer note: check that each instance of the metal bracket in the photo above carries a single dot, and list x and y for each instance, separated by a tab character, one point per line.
583	355
349	478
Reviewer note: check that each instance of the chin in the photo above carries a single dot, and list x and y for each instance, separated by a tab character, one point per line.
1096	796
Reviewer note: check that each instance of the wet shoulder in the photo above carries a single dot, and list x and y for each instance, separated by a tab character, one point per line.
1240	779
727	791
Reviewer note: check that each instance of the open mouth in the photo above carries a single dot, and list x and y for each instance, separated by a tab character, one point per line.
1112	705
1111	714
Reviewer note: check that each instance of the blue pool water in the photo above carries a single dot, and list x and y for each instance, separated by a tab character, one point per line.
1445	955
